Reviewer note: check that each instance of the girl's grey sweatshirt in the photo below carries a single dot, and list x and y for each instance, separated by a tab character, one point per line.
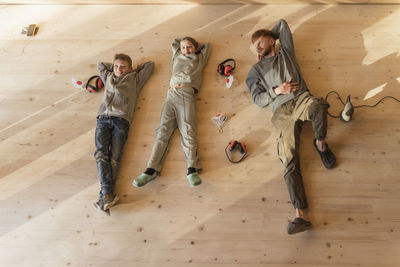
187	70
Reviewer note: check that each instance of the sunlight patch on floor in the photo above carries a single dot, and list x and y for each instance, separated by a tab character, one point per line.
375	91
59	21
46	165
379	41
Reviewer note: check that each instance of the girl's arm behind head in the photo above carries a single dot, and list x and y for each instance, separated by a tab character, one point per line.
176	47
205	51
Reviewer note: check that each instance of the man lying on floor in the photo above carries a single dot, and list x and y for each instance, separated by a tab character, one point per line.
276	81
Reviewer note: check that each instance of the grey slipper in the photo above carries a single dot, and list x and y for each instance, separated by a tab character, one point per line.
143	179
194	179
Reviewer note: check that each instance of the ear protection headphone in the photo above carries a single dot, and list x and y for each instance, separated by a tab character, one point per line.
228	69
231	148
98	84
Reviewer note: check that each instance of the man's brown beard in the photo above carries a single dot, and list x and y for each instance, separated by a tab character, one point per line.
267	52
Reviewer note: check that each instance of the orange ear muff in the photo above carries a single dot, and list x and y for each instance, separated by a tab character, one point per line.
98	84
232	145
242	148
231	148
91	88
228	69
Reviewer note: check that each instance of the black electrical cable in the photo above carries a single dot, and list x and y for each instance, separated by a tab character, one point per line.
359	106
372	106
326	97
326	100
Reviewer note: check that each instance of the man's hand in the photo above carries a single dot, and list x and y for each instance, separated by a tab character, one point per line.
286	88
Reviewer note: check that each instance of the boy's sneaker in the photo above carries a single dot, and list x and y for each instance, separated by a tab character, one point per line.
109	200
194	179
99	205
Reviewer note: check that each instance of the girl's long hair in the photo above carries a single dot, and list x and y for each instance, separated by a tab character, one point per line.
193	41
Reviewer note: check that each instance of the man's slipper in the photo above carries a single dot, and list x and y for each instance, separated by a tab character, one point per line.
298	225
327	156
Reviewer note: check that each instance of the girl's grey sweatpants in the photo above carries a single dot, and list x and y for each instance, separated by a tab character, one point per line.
179	111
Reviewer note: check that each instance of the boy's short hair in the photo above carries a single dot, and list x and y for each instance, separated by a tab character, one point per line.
123	57
262	33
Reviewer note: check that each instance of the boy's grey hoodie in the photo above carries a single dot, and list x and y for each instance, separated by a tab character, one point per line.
120	94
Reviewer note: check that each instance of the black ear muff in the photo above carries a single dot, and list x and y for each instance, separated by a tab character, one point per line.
232	146
98	84
221	69
226	70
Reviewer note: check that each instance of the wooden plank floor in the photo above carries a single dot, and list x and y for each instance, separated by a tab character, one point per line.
238	216
208	2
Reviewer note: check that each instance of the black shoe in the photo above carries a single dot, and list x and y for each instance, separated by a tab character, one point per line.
327	156
298	225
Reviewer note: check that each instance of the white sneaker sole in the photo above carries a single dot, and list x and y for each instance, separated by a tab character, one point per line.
109	205
107	212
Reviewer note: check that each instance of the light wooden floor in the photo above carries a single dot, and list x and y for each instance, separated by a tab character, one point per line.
238	216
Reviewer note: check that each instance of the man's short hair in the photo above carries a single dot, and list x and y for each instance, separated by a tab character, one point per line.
261	33
123	57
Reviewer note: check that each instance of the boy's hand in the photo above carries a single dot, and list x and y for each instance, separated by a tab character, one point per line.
138	68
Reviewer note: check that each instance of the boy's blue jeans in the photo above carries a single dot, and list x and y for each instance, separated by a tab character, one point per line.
110	137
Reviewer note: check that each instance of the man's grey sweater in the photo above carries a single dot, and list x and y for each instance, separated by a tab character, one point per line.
271	72
120	94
